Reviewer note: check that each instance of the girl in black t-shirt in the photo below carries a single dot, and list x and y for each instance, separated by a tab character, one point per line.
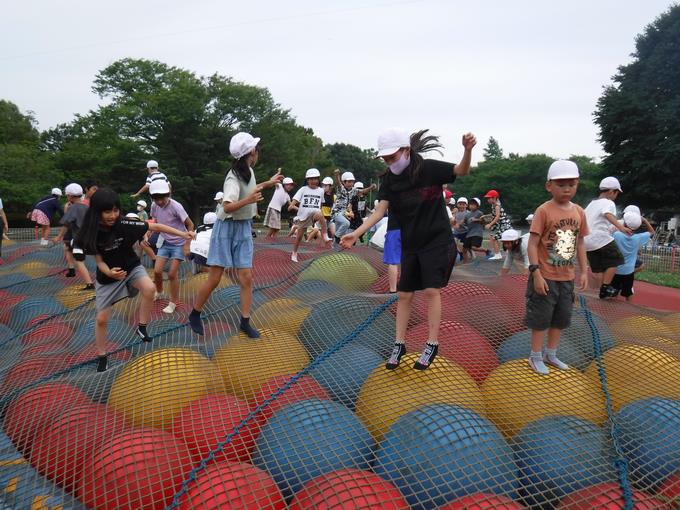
412	189
120	273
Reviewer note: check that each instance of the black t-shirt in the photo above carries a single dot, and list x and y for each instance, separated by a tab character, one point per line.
115	246
419	208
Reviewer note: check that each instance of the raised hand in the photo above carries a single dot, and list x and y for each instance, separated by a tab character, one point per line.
469	141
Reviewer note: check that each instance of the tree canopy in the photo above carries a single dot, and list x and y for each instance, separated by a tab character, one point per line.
639	117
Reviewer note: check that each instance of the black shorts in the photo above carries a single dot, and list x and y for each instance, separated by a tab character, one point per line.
624	283
551	311
606	257
474	241
427	269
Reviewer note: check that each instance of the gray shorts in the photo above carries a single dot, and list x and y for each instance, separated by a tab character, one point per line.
109	293
551	311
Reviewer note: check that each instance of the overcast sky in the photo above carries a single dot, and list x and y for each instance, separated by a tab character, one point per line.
525	72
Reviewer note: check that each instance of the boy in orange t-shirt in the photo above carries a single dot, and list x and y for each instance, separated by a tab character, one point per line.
555	243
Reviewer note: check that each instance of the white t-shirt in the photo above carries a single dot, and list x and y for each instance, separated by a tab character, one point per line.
310	201
201	244
279	199
523	252
598	224
0	203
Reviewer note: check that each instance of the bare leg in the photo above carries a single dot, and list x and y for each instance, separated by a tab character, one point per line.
434	313
323	227
46	232
393	276
146	289
70	261
83	272
403	314
102	321
298	237
245	281
537	337
210	284
147	249
554	335
158	273
174	280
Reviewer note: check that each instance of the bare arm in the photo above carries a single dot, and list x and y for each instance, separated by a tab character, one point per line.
619	226
293	205
189	224
143	189
4	219
582	263
112	272
366	191
157	227
463	168
349	239
540	285
336	174
647	225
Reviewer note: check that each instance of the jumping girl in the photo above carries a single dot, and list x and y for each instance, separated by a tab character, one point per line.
412	189
120	274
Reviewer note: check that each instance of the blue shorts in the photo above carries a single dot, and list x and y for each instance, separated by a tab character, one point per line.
171	251
392	247
231	244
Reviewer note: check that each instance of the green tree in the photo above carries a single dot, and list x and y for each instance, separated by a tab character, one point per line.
493	150
361	162
639	116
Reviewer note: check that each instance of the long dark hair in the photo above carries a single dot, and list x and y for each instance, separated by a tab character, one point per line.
104	199
420	144
241	168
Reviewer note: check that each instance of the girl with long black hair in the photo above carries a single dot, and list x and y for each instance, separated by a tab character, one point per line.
412	189
120	273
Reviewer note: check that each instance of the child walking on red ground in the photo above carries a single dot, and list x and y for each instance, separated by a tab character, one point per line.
555	243
412	189
307	202
231	243
120	273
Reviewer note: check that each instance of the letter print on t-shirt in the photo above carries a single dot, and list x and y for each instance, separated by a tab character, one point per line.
562	242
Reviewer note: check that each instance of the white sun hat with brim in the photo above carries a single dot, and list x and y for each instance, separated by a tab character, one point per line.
510	235
142	203
359	185
159	187
563	169
391	140
242	144
327	180
312	173
347	176
610	183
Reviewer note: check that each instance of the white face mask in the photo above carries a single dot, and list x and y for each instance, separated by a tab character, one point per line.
400	165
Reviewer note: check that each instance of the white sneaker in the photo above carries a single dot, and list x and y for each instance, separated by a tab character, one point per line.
538	366
555	362
44	242
293	257
170	308
497	256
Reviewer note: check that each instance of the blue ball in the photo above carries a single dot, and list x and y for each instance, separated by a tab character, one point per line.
441	452
558	455
13	281
6	333
310	438
312	289
345	371
118	331
335	319
31	308
580	334
650	439
518	346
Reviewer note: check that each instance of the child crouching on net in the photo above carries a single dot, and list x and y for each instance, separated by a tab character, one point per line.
120	273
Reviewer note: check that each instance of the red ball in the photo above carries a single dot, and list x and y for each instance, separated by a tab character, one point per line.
459	343
39	319
271	266
207	421
455	297
488	315
303	389
61	449
28	413
607	496
348	489
670	489
8	301
30	370
138	469
232	485
482	501
53	332
38	349
91	352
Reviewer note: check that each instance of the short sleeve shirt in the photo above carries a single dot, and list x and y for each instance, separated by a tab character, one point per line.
0	203
156	176
629	247
474	228
73	219
115	246
172	215
419	207
236	189
342	199
460	221
522	252
559	230
279	199
310	201
599	225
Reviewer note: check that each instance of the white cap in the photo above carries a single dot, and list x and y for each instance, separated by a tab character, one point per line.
142	203
218	196
312	172
152	164
391	140
452	201
462	199
510	235
242	144
132	216
347	176
74	190
563	169
632	208
610	183
477	201
530	217
359	185
632	220
327	180
159	187
209	218
287	180
56	191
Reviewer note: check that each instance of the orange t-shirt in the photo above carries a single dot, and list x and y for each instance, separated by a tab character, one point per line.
559	230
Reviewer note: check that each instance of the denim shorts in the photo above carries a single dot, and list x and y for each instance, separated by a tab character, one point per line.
231	244
171	251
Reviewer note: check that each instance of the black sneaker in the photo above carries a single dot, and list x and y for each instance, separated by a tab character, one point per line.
398	351
89	286
195	322
102	362
427	357
607	292
70	272
141	333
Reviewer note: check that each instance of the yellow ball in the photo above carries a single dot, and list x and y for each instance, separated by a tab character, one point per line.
344	270
516	395
285	314
246	363
74	295
34	269
639	326
635	372
192	285
672	321
389	394
152	389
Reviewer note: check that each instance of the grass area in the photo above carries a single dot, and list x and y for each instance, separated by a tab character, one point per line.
665	279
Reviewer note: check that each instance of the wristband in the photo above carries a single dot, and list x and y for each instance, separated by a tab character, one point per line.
533	267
